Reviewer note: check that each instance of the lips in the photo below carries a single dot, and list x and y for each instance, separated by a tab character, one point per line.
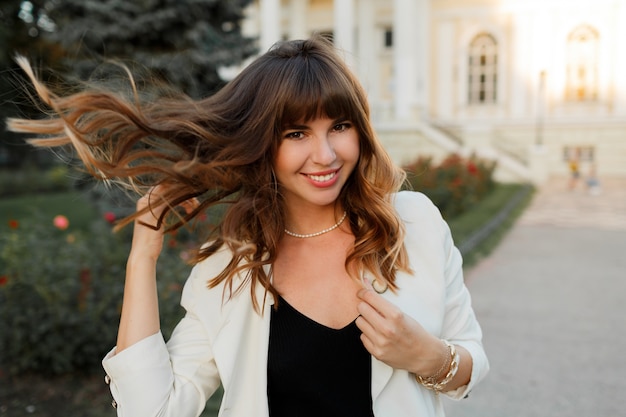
323	179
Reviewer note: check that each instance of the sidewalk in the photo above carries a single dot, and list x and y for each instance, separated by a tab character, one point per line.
551	300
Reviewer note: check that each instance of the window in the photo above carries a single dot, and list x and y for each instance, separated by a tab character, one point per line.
482	69
582	64
388	41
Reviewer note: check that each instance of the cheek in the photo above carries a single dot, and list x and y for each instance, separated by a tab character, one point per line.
351	149
286	160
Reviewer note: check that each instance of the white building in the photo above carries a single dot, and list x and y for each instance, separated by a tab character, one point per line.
526	82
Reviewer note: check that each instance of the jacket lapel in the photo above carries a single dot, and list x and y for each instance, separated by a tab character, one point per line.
381	373
240	350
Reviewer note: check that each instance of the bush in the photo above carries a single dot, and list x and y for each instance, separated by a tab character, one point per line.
455	185
34	180
61	294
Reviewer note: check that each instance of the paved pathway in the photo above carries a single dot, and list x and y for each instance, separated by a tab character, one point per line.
552	303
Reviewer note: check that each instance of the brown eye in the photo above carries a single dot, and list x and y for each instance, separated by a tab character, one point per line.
294	135
340	127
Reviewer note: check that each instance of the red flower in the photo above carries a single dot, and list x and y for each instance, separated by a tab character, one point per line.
109	216
472	168
61	222
4	280
14	224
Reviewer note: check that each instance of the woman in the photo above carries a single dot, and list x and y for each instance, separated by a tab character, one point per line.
322	291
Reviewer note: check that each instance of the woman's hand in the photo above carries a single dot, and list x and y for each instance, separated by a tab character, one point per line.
147	243
395	338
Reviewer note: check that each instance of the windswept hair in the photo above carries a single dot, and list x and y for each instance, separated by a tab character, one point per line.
222	148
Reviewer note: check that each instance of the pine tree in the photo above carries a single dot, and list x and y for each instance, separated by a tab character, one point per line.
183	41
22	24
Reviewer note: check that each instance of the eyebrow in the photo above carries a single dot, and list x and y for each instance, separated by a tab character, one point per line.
304	126
295	127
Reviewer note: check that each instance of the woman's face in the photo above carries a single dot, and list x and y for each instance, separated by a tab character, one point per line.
315	159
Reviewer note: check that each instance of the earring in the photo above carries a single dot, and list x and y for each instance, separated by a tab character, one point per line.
374	284
378	287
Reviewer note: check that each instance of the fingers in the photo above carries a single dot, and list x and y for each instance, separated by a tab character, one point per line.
190	205
147	242
379	320
378	303
153	204
387	333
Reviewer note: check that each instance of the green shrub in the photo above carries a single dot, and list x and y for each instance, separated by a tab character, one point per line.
35	180
478	231
61	294
455	184
24	208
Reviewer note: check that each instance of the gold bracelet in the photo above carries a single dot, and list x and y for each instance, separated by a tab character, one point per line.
431	384
445	366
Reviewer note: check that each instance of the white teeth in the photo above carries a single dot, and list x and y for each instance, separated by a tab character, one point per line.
322	178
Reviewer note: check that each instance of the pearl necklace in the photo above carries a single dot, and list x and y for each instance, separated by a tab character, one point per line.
333	227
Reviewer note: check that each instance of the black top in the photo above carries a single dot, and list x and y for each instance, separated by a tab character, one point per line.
313	370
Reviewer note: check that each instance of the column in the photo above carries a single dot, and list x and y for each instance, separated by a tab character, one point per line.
297	19
270	24
404	58
421	52
521	56
445	91
343	28
619	71
367	44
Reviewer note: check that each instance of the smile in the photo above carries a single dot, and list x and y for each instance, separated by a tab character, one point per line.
322	178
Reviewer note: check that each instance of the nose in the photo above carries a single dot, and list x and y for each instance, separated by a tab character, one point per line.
323	152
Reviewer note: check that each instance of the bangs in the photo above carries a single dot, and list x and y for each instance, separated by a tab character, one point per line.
313	89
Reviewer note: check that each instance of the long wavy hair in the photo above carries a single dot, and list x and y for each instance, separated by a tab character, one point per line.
222	149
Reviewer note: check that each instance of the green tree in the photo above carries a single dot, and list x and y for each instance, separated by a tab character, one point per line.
22	24
183	41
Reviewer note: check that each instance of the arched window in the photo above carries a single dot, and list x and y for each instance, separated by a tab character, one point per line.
582	64
482	69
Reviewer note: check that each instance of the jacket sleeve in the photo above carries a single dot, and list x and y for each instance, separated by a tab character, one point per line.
154	378
460	325
429	235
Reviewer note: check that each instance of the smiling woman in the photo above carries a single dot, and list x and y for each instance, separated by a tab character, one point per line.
364	295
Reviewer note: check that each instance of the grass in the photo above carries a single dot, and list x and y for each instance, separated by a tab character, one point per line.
465	225
71	204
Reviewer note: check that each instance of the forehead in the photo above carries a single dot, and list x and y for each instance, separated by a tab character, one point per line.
332	106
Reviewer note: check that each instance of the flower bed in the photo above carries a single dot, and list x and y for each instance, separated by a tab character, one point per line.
455	184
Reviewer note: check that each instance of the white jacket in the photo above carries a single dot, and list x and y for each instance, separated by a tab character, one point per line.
227	342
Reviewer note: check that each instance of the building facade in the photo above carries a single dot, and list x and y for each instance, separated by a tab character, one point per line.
529	83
